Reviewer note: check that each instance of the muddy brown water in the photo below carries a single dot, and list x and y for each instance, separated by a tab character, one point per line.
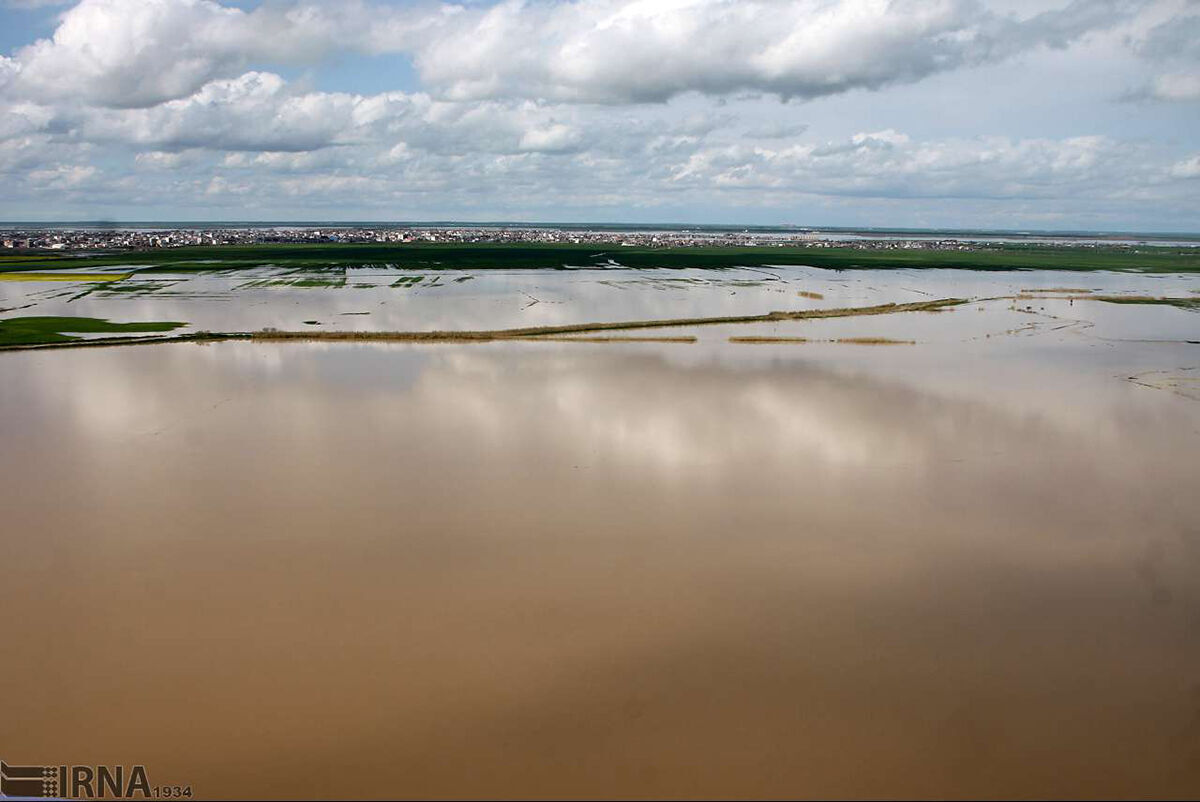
592	570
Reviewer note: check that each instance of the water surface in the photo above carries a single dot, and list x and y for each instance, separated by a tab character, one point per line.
967	567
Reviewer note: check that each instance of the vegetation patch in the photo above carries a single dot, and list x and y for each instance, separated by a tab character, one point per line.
816	296
800	340
205	266
302	282
1071	290
137	287
46	330
589	328
49	331
103	277
1182	303
771	340
315	282
873	341
688	339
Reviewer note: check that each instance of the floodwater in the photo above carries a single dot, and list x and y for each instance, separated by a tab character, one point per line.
391	299
967	567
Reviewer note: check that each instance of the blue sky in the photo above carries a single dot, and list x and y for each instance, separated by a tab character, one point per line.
942	113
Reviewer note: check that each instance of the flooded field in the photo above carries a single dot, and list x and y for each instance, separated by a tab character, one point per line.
390	299
912	554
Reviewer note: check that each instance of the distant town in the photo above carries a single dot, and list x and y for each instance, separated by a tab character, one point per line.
87	239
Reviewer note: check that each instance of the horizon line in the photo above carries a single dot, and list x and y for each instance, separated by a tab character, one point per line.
604	224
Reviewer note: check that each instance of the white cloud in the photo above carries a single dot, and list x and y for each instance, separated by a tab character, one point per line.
889	164
553	138
1174	46
8	71
1189	168
887	138
776	130
620	51
61	176
137	53
132	52
259	112
255	112
160	160
35	3
1176	37
18	119
1174	87
256	137
176	103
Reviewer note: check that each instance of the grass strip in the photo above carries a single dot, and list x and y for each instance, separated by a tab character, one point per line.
17	331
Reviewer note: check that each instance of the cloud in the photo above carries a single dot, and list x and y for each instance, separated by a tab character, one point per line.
1168	87
255	112
628	51
160	160
776	130
61	176
140	53
1189	168
129	53
258	130
889	164
1174	45
20	119
259	112
372	149
620	105
34	3
1177	37
554	138
8	71
1176	87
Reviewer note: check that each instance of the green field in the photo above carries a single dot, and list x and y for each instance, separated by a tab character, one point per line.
24	276
48	330
556	256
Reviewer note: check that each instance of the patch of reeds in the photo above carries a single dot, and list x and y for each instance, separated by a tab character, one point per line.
1072	290
800	340
618	339
873	341
771	340
1182	303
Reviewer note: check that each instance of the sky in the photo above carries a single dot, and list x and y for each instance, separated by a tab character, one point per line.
1004	114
